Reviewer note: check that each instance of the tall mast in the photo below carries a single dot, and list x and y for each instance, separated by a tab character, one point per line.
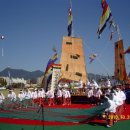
72	20
118	33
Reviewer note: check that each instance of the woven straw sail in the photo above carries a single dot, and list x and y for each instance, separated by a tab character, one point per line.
120	70
72	59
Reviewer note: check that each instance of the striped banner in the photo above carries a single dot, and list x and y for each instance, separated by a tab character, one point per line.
106	15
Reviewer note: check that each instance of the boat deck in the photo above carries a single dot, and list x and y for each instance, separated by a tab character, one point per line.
96	124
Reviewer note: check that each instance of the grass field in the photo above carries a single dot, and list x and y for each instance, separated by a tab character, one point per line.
123	125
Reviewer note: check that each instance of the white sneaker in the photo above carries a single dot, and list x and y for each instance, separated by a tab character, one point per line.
108	126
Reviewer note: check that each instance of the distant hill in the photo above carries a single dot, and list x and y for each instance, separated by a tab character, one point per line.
20	73
96	77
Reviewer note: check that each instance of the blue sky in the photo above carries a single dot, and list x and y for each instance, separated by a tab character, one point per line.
32	27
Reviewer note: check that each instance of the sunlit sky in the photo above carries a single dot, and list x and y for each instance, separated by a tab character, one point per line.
32	27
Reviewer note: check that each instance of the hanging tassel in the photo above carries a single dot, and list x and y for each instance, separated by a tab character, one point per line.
111	35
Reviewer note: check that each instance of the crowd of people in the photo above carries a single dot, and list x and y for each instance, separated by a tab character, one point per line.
38	97
61	95
109	92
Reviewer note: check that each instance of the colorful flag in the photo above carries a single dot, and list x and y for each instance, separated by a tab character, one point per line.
92	58
47	81
48	72
127	50
51	62
70	22
106	15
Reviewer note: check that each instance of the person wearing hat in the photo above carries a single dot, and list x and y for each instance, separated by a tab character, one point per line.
88	84
80	87
59	96
68	97
107	91
27	97
11	95
27	94
21	98
2	97
65	96
108	83
90	95
50	97
34	96
94	84
110	110
97	95
41	96
121	97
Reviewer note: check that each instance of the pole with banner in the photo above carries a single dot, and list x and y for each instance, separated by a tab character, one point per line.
56	72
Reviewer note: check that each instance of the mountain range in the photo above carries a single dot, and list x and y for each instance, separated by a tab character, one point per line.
21	73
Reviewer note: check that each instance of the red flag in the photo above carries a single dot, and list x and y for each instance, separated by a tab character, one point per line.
127	50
